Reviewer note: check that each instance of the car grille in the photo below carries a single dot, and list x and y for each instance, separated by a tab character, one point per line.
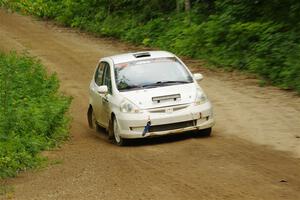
173	126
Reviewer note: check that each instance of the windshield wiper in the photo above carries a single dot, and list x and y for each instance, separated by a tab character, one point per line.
164	83
130	87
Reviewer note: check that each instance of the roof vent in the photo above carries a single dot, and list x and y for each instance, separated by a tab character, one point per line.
141	54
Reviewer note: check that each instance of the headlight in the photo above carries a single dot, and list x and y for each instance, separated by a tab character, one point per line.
128	107
200	98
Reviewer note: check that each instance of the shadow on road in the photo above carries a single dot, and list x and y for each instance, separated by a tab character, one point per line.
156	140
164	139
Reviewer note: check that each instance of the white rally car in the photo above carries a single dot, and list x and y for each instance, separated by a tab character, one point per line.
146	94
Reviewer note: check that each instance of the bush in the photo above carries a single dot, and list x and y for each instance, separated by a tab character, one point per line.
32	113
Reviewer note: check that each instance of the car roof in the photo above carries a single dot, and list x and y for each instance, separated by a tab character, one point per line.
128	57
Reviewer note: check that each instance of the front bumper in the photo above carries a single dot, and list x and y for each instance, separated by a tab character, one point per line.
197	117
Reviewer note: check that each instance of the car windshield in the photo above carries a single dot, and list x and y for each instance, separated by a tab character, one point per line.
150	73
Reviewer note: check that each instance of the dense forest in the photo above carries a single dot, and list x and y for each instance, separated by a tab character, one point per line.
259	36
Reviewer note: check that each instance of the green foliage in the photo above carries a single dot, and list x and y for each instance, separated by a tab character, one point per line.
32	113
262	37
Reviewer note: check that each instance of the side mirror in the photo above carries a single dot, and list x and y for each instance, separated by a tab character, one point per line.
102	89
198	77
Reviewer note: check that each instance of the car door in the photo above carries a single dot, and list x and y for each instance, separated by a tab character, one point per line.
106	99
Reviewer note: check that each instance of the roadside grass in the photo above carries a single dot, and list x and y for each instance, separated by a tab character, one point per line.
6	190
33	113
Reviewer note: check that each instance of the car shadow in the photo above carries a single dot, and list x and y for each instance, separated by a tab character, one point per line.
156	140
164	139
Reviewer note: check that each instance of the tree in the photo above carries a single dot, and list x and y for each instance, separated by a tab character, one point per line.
187	5
178	6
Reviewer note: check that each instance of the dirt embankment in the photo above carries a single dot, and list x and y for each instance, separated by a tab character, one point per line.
238	162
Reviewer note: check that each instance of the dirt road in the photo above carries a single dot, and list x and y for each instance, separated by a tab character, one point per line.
253	153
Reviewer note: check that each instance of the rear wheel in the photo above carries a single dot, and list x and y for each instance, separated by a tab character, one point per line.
94	123
118	140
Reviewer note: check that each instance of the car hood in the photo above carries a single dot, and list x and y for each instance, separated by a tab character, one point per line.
162	96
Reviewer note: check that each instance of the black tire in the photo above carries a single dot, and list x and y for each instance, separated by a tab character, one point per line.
92	120
203	133
89	116
116	137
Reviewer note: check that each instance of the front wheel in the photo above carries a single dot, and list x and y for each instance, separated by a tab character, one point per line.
118	140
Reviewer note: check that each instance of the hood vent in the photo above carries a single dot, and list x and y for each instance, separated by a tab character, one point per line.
160	99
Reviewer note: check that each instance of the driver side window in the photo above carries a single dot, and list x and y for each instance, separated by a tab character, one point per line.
99	74
107	78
